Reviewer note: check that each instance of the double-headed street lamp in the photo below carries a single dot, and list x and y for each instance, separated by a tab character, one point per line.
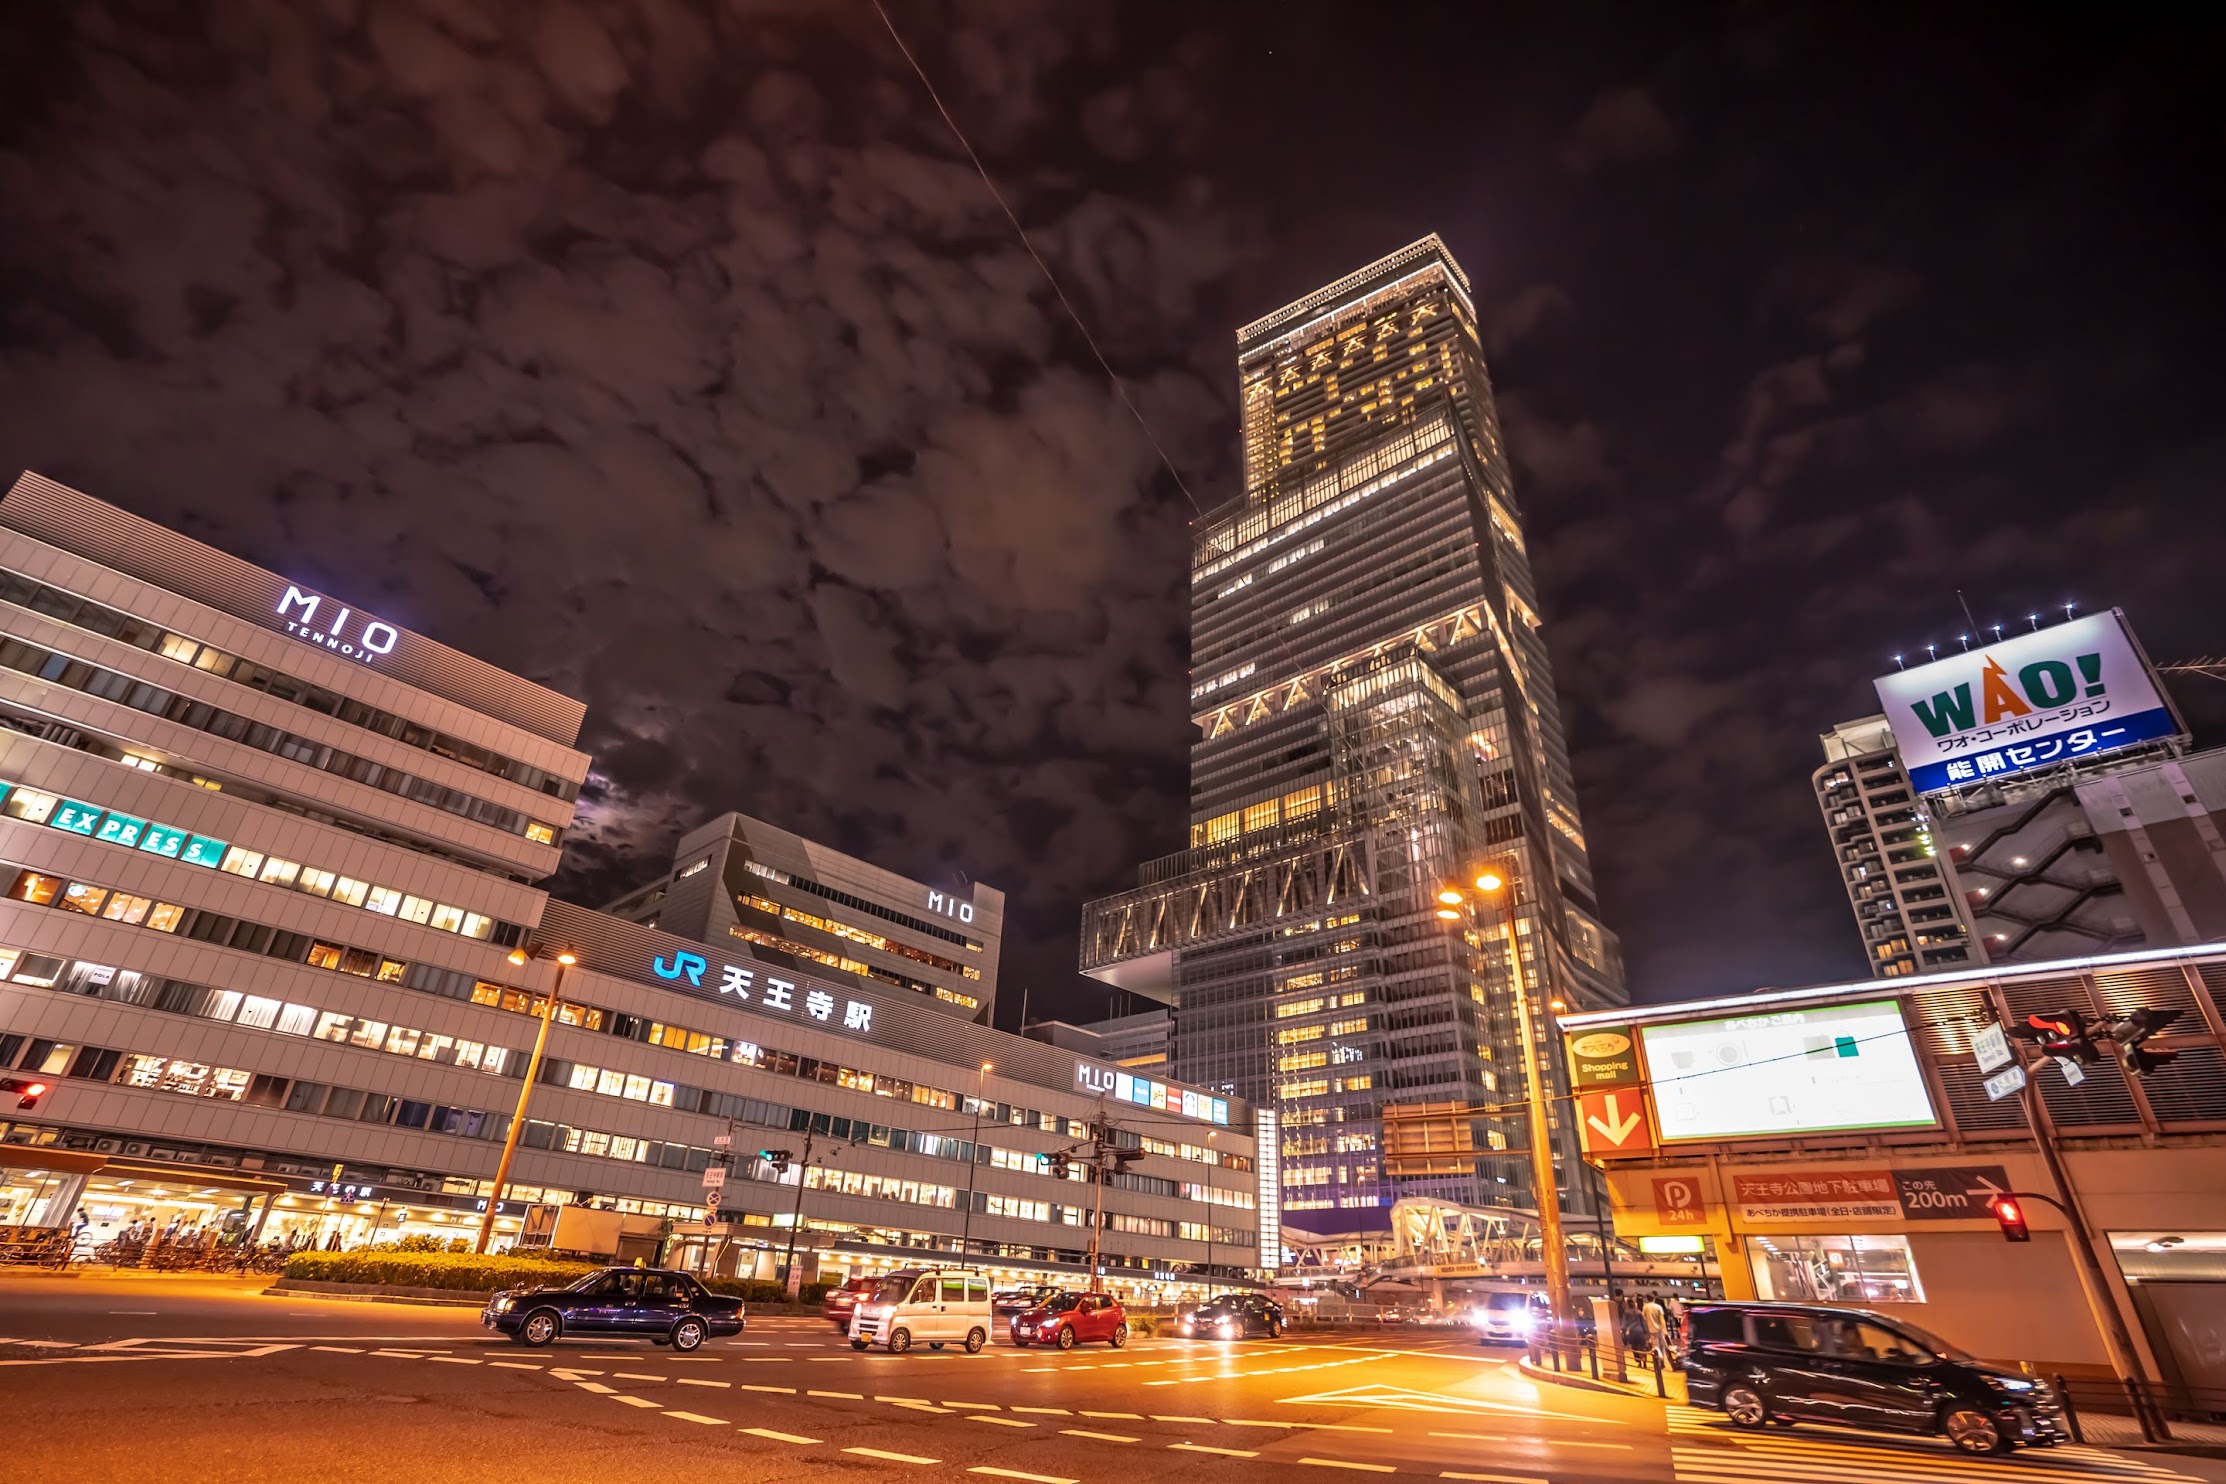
1502	890
520	957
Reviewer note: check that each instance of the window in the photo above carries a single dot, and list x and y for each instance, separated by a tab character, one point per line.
384	899
240	862
348	889
280	872
31	887
125	908
163	917
317	883
539	833
1842	1270
38	970
83	898
28	804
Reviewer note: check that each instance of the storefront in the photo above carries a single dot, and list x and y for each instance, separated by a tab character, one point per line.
1839	1145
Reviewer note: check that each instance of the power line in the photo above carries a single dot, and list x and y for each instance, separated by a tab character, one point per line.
1120	388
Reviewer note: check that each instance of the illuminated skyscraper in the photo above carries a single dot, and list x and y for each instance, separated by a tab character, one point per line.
1376	717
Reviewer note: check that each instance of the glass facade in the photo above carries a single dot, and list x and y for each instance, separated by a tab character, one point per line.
1377	718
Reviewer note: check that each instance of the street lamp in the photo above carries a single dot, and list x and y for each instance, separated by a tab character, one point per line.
1489	884
520	957
973	1162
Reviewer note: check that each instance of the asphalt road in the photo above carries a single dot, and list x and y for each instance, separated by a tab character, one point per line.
151	1381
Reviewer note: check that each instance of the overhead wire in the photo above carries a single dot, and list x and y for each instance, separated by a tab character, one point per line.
1120	387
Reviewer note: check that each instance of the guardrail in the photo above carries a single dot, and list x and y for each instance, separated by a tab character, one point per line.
2152	1406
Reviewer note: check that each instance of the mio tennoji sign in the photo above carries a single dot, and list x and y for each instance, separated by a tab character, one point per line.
2053	696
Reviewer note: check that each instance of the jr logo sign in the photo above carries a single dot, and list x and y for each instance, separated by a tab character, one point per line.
688	966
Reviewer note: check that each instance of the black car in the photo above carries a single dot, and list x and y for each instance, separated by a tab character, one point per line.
1233	1316
654	1304
1788	1363
1025	1299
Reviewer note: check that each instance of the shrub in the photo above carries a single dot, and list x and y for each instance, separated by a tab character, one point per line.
749	1290
815	1293
463	1272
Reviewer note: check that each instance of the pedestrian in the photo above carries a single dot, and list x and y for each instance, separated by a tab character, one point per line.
1657	1329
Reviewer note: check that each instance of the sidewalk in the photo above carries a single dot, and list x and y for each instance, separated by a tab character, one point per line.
1641	1384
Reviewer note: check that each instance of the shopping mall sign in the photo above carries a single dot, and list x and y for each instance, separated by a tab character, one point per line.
347	633
2056	695
1603	1058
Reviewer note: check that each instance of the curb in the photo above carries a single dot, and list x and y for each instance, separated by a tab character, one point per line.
371	1293
1580	1382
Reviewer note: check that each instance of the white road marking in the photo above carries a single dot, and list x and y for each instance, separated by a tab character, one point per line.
697	1381
1117	1416
340	1349
1103	1437
1224	1452
698	1417
776	1390
1344	1463
780	1437
511	1365
1045	1411
841	1396
1497	1478
888	1457
633	1376
637	1401
1017	1474
1001	1421
597	1387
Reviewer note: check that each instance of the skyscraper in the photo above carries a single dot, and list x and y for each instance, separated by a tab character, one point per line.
1906	903
1376	717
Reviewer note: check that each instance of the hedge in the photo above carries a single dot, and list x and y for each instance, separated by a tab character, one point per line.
470	1273
464	1272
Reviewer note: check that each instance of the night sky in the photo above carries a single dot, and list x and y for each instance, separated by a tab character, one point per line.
671	353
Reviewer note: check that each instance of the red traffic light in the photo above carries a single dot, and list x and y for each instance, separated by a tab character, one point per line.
31	1095
2011	1217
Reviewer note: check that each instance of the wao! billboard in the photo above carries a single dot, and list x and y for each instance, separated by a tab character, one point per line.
2053	696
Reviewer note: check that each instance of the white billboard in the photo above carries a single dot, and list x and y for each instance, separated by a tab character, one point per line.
1786	1072
2052	696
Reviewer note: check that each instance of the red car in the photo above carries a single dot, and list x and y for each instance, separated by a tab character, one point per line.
840	1301
1067	1319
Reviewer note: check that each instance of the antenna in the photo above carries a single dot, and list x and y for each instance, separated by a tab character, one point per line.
1966	639
1932	651
1898	664
2067	611
2034	620
1997	633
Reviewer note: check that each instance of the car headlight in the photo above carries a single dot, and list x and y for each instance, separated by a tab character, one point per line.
505	1304
1228	1325
2006	1384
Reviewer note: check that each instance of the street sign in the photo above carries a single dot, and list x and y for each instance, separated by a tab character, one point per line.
715	1177
1614	1122
2074	1074
2002	1084
1992	1048
1951	1192
1603	1058
722	1141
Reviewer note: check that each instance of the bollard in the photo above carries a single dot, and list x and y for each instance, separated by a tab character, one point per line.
1592	1353
1661	1376
2071	1412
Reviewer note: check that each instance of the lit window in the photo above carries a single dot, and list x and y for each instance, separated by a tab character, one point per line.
348	889
29	804
1836	1270
317	883
280	872
32	887
383	899
448	919
83	898
164	917
248	863
541	834
416	909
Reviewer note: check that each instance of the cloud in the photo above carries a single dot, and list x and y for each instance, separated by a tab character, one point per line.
1619	126
618	345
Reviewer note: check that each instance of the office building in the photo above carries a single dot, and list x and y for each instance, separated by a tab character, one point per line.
1141	1042
1906	907
1376	717
750	888
264	860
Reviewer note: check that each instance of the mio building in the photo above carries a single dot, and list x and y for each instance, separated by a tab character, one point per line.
1376	718
751	889
260	885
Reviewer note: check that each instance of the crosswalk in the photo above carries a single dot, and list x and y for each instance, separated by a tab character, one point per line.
1706	1449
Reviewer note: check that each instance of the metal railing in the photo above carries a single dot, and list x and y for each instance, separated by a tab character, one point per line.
2092	1405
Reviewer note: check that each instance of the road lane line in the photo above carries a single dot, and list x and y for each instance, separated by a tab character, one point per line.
453	1360
638	1401
780	1437
633	1376
777	1390
1339	1427
339	1349
887	1457
597	1387
841	1396
699	1417
1156	1417
1001	1421
1346	1463
1497	1478
1117	1416
699	1381
1251	1422
1224	1452
1045	1411
1472	1437
511	1365
136	1313
1017	1474
1103	1437
971	1406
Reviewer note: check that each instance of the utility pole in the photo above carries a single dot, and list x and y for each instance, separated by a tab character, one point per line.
973	1163
520	957
796	1217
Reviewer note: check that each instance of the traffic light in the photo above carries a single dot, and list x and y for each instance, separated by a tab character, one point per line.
2129	1031
1060	1164
2010	1216
27	1093
2065	1034
777	1158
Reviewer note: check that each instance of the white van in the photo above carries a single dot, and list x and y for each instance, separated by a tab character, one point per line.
934	1305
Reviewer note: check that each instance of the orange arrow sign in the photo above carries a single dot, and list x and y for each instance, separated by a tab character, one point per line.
1607	1127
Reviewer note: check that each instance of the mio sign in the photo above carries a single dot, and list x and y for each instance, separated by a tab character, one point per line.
299	612
948	905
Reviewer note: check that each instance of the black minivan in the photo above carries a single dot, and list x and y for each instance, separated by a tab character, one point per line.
1788	1363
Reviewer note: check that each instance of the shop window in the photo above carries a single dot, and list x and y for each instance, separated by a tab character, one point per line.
324	956
34	888
80	897
164	917
123	907
333	1026
37	969
1842	1270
